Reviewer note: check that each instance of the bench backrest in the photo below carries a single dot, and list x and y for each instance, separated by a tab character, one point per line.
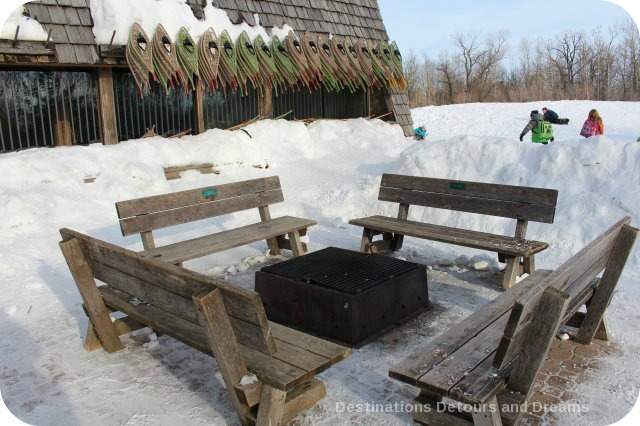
160	211
171	289
571	285
516	202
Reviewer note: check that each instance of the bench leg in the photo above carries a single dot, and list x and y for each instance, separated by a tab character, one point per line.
510	272
365	243
296	244
271	406
488	414
96	310
529	264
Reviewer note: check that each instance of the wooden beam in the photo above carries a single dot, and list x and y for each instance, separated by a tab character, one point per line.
198	106
604	292
107	107
547	319
97	311
265	103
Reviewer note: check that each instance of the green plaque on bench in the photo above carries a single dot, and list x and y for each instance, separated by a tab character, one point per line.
458	185
209	192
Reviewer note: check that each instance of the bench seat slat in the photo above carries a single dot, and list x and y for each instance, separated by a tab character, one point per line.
287	368
213	243
446	374
423	359
499	243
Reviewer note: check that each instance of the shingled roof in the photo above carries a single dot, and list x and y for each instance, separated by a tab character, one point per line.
71	26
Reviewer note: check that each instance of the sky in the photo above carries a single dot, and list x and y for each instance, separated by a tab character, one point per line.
428	26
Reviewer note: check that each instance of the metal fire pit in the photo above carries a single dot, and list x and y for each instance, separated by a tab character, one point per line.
343	295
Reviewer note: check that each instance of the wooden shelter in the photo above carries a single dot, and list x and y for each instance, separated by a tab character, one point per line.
71	90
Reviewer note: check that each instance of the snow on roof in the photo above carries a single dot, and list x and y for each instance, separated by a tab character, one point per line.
30	29
118	15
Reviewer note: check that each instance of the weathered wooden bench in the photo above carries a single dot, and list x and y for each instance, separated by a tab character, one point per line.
209	315
517	202
144	215
490	360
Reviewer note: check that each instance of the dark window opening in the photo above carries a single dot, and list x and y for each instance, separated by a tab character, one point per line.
47	108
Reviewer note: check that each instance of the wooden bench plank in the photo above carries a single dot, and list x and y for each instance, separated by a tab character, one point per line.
521	194
279	371
195	212
179	281
446	374
463	203
498	243
423	359
213	243
158	203
333	351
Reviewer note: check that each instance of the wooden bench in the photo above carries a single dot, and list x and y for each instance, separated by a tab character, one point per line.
491	359
210	315
517	202
144	215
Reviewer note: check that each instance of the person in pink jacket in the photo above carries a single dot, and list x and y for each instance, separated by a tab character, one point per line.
593	126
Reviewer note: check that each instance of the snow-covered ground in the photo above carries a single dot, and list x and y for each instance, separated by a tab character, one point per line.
330	171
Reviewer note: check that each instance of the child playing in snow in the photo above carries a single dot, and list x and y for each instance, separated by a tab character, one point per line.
552	117
420	133
541	131
593	126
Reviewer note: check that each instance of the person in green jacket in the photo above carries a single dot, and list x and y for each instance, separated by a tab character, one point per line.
541	131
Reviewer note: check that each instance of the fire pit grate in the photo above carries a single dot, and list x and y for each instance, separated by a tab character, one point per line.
342	270
343	295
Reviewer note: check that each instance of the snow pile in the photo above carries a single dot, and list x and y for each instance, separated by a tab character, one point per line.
30	29
330	172
118	15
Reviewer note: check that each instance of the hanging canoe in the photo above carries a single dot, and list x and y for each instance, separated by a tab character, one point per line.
228	66
286	68
332	77
165	62
208	58
139	56
268	68
187	54
248	67
297	56
312	54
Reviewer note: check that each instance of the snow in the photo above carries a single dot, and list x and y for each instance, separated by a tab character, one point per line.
30	29
330	171
118	15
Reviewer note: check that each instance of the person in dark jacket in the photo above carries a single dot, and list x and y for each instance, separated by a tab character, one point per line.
532	125
552	117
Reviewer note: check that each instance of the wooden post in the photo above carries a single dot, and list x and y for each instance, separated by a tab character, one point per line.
547	319
488	414
602	297
222	340
296	244
198	105
96	309
63	125
265	103
403	213
271	406
107	106
265	215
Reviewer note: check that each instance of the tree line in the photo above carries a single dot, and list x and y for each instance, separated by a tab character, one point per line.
602	65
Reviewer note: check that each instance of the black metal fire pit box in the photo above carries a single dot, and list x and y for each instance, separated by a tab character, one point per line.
341	294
